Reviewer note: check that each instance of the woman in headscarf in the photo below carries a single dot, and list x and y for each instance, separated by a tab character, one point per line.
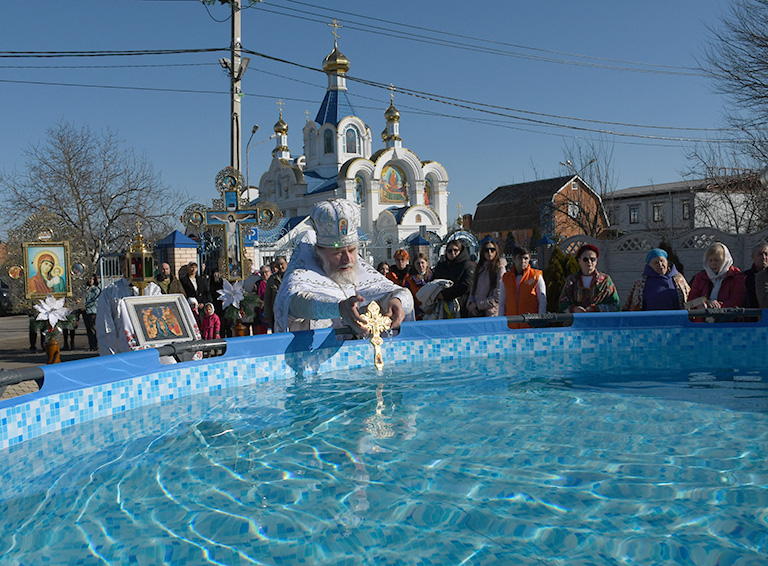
721	284
589	290
661	287
483	297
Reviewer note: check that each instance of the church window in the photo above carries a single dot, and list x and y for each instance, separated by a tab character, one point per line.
418	219
328	141
351	140
394	188
359	190
311	144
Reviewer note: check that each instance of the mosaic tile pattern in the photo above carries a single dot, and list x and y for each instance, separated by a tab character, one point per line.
26	420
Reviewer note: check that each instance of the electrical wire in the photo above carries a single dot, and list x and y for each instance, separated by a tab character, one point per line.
495	110
488	50
484	40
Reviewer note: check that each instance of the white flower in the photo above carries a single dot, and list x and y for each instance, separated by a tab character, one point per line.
231	294
52	310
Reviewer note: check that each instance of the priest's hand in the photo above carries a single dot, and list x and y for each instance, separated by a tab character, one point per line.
396	312
350	315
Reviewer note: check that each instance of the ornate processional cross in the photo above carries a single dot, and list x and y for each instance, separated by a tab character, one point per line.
375	324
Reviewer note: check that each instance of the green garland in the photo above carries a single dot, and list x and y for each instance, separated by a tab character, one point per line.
248	306
52	332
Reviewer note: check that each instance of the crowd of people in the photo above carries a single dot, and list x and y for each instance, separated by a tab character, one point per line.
487	288
326	283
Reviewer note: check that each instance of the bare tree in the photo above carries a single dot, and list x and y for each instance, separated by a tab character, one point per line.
592	161
94	184
731	198
736	57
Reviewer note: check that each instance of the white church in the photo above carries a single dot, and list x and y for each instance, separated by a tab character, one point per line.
400	196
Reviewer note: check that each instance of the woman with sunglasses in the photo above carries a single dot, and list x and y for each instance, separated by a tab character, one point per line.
589	290
483	297
457	267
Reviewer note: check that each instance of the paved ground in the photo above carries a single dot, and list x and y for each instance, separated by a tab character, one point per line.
15	353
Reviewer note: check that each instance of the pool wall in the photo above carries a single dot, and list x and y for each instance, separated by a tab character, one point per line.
85	390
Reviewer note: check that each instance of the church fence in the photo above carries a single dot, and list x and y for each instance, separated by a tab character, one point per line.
624	259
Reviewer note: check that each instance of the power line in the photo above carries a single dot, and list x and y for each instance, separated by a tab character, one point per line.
495	110
494	42
367	28
474	106
161	65
59	54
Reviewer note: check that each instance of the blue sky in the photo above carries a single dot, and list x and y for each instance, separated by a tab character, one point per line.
593	65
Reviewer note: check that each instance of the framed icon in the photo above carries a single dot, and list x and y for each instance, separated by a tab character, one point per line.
47	269
161	319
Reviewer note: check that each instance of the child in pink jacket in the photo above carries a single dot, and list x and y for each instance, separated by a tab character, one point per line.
210	324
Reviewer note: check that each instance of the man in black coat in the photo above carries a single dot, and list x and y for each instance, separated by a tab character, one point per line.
456	266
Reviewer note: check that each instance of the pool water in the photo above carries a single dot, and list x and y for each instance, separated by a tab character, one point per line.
573	459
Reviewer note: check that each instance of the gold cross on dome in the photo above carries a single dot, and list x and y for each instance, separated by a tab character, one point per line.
375	324
335	25
306	113
280	103
392	90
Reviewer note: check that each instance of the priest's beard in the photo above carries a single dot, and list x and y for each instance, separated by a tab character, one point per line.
346	277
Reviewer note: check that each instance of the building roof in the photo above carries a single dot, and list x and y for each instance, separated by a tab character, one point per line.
516	207
663	188
418	241
398	212
318	184
176	240
335	106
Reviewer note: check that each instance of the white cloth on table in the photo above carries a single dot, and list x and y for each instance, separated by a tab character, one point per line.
111	320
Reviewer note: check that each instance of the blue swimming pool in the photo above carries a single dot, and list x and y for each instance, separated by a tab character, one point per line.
610	446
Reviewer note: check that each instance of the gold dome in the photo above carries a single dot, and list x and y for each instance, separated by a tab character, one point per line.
336	62
392	114
281	127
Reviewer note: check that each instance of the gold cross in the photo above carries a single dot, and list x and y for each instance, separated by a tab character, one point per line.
335	25
306	113
280	103
375	324
392	90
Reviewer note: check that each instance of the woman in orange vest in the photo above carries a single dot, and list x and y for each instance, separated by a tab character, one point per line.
523	290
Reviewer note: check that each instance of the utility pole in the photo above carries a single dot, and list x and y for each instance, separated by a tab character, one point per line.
235	67
236	74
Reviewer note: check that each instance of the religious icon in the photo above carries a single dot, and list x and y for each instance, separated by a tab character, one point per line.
160	319
15	271
393	186
232	221
47	269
